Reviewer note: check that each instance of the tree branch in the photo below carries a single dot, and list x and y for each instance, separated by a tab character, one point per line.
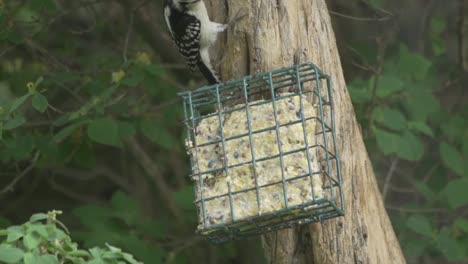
150	167
25	172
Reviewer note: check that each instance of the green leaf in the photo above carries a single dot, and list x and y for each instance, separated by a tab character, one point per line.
18	102
96	252
154	69
387	141
47	259
39	5
80	253
126	207
10	254
126	129
122	202
454	127
420	126
407	146
94	217
130	259
38	217
390	118
438	46
156	132
31	240
438	25
420	224
452	158
449	246
424	189
420	104
14	123
20	147
30	258
410	147
462	224
39	229
14	233
376	3
105	131
12	36
456	193
39	102
388	85
416	247
412	65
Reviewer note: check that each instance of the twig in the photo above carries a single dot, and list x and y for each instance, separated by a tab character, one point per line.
25	172
25	196
127	36
7	49
33	45
389	177
382	46
416	210
130	28
378	8
362	19
366	66
80	99
430	172
55	109
186	244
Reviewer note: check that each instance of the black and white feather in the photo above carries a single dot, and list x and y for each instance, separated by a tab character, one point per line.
193	33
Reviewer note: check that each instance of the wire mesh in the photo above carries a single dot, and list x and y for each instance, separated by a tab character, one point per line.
253	191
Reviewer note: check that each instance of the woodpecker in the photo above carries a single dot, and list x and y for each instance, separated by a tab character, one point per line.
193	33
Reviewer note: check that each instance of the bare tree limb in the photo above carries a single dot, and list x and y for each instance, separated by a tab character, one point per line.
361	19
25	172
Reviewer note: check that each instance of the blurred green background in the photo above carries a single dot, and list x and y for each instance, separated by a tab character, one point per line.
90	123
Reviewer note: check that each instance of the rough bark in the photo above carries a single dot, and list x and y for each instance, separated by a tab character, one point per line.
272	35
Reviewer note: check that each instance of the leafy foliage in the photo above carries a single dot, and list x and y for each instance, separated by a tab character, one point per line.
44	239
124	225
404	120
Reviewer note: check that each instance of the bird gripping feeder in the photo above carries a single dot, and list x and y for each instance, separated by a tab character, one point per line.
263	152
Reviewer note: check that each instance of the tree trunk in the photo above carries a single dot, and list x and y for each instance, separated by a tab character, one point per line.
281	33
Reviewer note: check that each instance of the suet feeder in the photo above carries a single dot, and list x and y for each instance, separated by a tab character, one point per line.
263	153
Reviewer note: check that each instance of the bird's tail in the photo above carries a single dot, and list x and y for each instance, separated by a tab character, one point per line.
206	69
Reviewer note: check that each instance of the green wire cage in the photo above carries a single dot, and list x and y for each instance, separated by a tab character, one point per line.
263	153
